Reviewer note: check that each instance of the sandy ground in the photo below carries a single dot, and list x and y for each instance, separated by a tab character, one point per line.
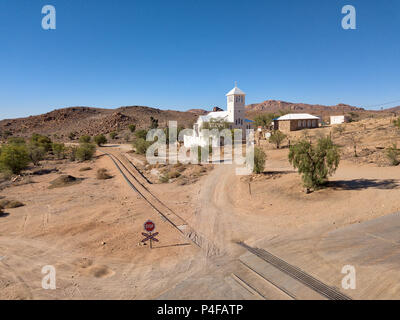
91	231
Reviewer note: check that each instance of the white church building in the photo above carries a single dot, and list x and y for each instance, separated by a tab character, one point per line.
234	117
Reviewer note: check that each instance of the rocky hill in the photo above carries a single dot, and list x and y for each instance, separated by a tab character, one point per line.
92	121
277	105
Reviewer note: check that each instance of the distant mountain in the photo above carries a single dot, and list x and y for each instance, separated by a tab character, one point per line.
394	109
200	112
92	121
275	106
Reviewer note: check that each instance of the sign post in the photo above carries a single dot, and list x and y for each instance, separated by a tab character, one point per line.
149	226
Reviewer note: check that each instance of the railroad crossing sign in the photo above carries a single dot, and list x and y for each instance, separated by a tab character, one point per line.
149	226
150	236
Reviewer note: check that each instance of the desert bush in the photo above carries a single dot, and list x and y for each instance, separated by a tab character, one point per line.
355	141
113	135
141	134
164	178
259	160
393	155
59	150
141	145
132	128
173	174
102	174
353	117
41	142
277	138
14	158
85	151
71	153
100	139
315	162
36	152
85	139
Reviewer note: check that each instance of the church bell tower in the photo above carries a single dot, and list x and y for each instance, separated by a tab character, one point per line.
235	107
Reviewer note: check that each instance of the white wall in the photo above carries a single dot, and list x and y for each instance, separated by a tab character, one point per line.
338	119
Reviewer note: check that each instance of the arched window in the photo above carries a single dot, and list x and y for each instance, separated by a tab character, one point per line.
299	124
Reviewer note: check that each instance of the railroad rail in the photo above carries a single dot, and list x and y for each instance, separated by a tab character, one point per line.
298	274
166	213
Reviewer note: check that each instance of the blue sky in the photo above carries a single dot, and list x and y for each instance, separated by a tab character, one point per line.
187	54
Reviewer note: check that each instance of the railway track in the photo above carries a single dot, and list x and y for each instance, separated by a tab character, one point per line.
297	274
137	181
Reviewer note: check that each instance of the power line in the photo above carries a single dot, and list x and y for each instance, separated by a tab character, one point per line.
382	104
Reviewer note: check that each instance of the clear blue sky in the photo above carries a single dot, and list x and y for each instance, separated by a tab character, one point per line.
187	54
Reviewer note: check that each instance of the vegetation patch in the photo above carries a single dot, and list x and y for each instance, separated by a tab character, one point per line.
64	181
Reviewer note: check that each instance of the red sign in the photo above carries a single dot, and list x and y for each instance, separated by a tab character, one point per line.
149	226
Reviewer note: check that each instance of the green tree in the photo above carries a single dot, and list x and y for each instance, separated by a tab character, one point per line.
100	139
36	152
59	150
141	134
85	139
277	137
264	120
259	160
41	141
14	158
315	162
132	128
141	145
85	151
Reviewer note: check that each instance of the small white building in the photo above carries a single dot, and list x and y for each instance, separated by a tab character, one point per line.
339	119
234	117
296	121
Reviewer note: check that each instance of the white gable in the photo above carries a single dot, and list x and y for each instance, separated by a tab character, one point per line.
235	90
